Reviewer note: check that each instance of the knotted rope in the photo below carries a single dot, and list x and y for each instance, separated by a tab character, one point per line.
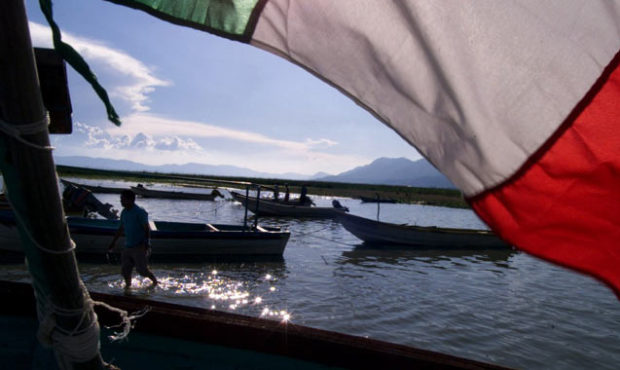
17	130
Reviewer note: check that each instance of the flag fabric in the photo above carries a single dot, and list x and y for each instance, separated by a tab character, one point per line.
517	102
233	19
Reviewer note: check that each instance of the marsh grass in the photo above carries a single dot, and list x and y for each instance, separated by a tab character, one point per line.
403	194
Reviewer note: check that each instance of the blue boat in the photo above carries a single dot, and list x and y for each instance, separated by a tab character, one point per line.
171	241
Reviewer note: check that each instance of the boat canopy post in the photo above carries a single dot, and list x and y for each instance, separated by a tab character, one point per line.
256	209
378	206
245	216
31	187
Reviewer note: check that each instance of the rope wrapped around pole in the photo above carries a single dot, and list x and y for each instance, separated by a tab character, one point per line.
31	185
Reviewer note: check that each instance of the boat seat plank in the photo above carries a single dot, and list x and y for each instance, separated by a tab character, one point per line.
212	228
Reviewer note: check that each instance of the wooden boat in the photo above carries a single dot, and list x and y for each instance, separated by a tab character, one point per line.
377	200
173	336
95	188
171	241
270	207
376	232
165	194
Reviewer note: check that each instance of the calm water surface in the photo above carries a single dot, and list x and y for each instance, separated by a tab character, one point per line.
497	306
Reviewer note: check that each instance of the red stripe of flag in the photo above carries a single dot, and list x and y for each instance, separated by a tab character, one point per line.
564	206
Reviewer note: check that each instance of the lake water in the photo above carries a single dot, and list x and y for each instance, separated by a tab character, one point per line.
503	307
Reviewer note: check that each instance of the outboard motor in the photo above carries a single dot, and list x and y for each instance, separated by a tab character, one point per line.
78	199
337	205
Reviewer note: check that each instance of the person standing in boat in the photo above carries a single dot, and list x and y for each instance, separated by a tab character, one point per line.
303	197
276	192
135	226
287	192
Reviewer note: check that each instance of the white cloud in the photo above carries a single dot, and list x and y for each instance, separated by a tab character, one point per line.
153	139
94	137
324	143
161	126
142	141
174	141
177	143
138	79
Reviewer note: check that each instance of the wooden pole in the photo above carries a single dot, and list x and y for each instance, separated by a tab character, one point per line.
31	181
256	209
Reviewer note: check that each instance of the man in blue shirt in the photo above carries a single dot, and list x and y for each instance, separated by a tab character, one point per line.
135	226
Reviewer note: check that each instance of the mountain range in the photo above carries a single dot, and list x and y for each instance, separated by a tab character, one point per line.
187	168
394	171
386	171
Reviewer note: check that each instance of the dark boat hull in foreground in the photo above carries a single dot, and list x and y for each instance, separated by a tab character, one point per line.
174	336
376	232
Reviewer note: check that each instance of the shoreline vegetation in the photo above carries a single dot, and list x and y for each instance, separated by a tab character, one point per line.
402	194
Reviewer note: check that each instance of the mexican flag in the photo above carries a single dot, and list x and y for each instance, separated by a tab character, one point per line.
517	102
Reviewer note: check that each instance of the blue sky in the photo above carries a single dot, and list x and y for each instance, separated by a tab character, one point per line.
188	96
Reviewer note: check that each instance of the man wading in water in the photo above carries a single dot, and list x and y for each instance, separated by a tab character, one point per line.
135	226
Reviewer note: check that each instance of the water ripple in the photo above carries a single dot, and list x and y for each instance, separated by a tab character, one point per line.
499	306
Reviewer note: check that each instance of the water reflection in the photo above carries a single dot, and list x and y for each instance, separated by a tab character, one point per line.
249	288
396	254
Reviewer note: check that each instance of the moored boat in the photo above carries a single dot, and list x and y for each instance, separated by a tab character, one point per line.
171	241
377	232
167	194
377	200
95	188
270	207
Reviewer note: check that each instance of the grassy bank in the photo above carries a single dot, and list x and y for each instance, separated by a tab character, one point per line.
403	194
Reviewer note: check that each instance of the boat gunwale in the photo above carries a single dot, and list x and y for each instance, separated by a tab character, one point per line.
171	194
252	333
378	232
430	229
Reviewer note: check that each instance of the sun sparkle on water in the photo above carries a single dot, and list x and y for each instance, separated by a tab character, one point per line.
218	291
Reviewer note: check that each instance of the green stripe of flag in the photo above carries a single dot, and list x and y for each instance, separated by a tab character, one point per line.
234	19
71	56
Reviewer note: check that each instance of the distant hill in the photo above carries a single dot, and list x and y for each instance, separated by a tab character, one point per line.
188	168
394	171
387	171
318	175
